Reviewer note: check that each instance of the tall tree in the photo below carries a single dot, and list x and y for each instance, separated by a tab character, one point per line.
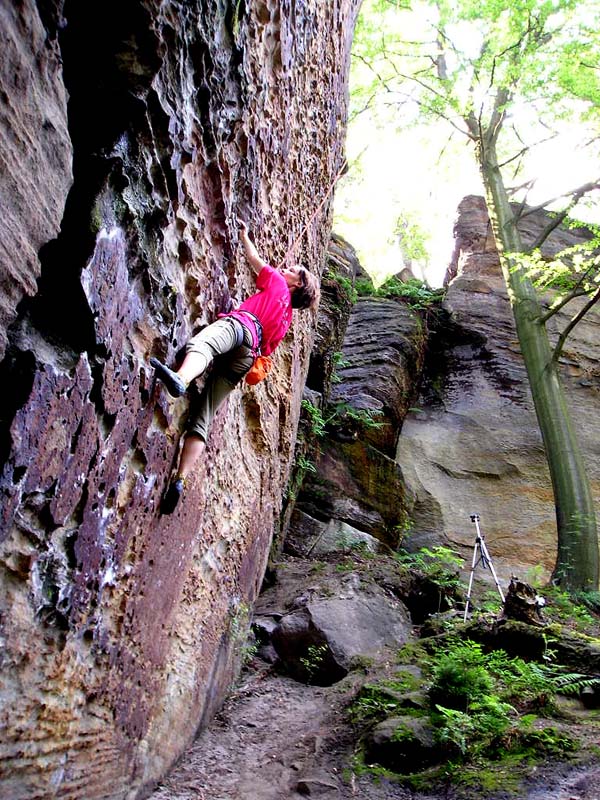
482	65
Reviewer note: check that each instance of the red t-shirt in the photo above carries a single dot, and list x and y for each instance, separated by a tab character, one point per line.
272	304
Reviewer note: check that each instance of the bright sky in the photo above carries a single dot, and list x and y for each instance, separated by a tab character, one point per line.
400	171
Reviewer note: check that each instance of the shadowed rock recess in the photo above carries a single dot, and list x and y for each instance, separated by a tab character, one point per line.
132	136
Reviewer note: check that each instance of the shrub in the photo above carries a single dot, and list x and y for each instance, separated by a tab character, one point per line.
460	678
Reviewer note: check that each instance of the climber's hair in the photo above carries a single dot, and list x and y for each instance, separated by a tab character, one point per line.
308	293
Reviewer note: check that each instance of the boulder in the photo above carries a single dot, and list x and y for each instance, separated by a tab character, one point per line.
319	784
404	744
323	638
312	537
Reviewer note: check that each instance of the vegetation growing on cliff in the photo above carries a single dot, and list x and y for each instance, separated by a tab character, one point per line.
416	293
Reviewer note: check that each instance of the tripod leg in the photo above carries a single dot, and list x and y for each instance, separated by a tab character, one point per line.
492	570
470	582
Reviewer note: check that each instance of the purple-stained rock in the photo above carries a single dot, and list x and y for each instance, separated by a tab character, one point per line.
121	627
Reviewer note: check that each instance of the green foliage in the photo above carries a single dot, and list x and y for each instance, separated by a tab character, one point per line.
317	422
306	465
337	415
412	237
521	682
345	566
312	662
373	703
476	697
588	600
402	530
460	678
366	418
346	286
544	742
573	683
575	270
440	564
339	360
416	293
365	287
568	608
477	731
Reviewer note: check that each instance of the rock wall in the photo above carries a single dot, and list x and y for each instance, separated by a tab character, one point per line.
356	491
35	151
474	445
119	626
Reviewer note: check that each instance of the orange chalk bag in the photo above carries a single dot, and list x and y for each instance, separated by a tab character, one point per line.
259	370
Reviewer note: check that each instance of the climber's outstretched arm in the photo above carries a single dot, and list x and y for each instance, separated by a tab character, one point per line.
255	260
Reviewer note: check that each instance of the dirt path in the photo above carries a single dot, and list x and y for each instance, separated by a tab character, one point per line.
261	746
582	784
275	739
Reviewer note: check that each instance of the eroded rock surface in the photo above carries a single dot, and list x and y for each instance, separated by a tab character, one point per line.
120	627
474	445
356	488
35	148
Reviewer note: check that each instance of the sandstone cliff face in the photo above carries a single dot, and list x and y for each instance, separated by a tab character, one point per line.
119	626
357	488
35	150
474	446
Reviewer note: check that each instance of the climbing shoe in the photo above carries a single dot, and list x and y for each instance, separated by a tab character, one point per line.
172	495
171	380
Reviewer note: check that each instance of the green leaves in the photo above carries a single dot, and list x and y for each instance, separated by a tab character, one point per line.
459	59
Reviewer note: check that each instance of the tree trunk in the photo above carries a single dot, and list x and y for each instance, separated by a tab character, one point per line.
577	558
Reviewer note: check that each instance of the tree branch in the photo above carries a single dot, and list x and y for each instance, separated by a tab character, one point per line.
525	148
555	309
576	291
560	217
577	318
580	190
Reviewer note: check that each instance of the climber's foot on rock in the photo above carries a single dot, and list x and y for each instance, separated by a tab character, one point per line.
173	495
171	380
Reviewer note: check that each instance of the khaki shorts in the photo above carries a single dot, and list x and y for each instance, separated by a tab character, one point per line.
227	343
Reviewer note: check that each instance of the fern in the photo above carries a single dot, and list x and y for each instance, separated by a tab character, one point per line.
568	683
574	683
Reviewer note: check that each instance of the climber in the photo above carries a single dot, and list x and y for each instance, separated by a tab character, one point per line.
258	325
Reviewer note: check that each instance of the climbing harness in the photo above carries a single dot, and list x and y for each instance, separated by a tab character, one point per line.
480	556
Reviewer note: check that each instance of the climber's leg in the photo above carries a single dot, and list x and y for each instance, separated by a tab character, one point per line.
217	339
228	372
221	382
193	447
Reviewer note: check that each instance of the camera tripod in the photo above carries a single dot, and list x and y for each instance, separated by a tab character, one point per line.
480	556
